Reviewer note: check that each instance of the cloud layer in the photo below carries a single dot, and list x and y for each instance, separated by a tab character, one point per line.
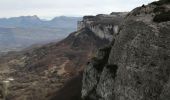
50	8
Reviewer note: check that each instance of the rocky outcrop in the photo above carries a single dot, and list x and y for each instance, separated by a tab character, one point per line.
104	26
88	36
136	66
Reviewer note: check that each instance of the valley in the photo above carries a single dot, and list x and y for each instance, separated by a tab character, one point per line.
40	72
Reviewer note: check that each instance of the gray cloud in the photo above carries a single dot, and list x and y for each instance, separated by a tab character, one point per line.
50	8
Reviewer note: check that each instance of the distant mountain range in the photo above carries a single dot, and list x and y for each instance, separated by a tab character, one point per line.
35	21
17	33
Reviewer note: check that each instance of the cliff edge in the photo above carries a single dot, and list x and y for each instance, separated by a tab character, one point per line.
104	26
137	64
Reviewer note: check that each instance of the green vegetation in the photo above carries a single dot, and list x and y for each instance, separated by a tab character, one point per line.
113	69
159	9
161	2
162	17
102	58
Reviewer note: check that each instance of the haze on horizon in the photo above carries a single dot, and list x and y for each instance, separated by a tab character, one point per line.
50	8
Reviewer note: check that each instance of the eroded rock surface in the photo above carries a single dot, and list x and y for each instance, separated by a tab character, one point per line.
138	66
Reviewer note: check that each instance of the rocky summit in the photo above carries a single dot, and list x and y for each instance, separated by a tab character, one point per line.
136	66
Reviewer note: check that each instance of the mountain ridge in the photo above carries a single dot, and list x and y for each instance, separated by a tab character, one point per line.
18	33
35	21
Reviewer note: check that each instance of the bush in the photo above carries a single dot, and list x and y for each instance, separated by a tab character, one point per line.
159	9
162	17
155	3
161	2
102	58
164	1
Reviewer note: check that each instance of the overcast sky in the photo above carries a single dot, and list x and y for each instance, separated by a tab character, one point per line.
51	8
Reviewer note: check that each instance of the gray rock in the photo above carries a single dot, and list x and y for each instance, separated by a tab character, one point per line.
92	74
104	26
138	67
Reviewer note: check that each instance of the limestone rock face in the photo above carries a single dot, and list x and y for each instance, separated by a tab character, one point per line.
138	64
104	26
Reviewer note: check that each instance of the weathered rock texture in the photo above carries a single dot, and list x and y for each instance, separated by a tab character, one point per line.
137	66
104	26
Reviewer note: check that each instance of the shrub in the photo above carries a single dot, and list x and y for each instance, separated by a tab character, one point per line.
162	17
155	3
164	1
159	9
161	2
102	58
113	69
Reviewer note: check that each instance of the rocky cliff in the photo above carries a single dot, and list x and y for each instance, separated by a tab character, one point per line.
136	66
72	88
41	71
104	26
